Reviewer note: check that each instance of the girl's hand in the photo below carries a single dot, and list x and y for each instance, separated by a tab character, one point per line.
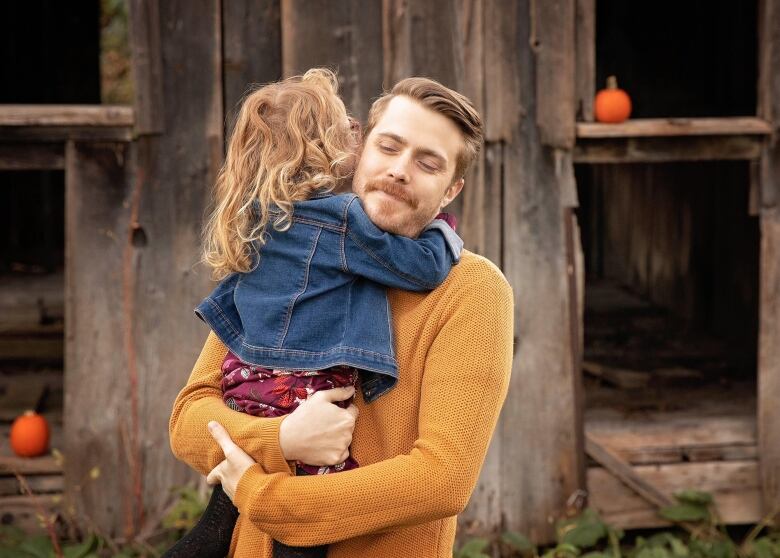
235	464
319	432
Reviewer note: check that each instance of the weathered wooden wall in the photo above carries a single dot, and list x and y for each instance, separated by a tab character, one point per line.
514	59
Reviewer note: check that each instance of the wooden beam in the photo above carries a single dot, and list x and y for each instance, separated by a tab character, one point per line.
535	263
611	461
66	115
49	134
769	358
97	201
146	59
769	97
32	156
642	127
585	33
667	149
553	42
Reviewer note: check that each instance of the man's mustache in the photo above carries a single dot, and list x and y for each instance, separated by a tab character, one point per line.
388	186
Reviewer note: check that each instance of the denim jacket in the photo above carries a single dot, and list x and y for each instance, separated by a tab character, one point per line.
315	297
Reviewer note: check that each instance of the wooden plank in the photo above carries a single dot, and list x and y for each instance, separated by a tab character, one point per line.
40	347
252	46
625	473
32	156
346	36
418	40
734	486
62	133
585	34
535	263
667	149
96	219
769	358
155	276
38	484
66	115
644	127
769	97
553	42
146	60
503	107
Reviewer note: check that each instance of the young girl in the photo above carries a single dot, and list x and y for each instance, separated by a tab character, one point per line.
302	305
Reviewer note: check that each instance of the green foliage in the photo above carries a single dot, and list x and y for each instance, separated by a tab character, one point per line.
473	548
692	505
186	511
588	536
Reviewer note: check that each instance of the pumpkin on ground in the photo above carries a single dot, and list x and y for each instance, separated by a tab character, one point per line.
612	104
30	435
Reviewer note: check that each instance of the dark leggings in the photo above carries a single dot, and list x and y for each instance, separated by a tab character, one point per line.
210	538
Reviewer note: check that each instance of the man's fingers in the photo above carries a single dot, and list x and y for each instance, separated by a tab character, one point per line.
353	410
335	394
222	437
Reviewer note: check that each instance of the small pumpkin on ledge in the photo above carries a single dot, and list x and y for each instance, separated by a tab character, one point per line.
612	105
29	435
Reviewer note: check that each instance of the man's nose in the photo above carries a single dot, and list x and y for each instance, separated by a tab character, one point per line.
399	170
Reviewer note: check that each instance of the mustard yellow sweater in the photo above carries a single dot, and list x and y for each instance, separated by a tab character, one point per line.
420	446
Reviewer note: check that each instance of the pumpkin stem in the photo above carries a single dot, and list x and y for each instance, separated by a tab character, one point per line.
612	82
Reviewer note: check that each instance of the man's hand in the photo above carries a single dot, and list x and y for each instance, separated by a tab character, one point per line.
319	432
232	468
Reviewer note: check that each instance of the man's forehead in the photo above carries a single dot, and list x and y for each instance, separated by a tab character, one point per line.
409	121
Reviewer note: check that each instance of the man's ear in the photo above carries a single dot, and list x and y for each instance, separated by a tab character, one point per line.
452	192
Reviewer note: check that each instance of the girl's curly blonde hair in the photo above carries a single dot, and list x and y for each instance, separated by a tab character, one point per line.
292	138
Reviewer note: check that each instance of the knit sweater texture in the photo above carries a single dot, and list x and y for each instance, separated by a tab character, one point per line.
420	446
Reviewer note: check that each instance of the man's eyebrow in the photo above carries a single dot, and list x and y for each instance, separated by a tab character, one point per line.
420	150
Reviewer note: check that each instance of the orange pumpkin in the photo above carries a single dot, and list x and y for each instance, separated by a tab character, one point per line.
612	104
30	435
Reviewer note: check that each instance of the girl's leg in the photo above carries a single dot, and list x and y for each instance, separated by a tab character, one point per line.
210	538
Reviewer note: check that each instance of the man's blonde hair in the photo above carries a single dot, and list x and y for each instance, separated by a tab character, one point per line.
451	104
291	140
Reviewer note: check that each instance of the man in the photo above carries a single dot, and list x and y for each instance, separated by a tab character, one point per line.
421	445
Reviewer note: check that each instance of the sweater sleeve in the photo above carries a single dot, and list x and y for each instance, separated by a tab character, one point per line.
201	401
463	388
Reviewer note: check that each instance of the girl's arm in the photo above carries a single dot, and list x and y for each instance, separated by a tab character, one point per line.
413	264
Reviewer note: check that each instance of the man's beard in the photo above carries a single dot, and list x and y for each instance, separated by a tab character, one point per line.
408	224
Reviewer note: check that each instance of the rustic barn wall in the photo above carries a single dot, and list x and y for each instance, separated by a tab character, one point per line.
516	210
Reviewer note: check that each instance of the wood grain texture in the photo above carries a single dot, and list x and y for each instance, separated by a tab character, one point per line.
96	402
541	394
252	46
668	149
553	43
585	36
734	486
344	36
146	61
769	359
656	127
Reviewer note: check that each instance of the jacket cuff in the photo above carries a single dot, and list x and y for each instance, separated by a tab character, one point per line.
272	458
454	242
